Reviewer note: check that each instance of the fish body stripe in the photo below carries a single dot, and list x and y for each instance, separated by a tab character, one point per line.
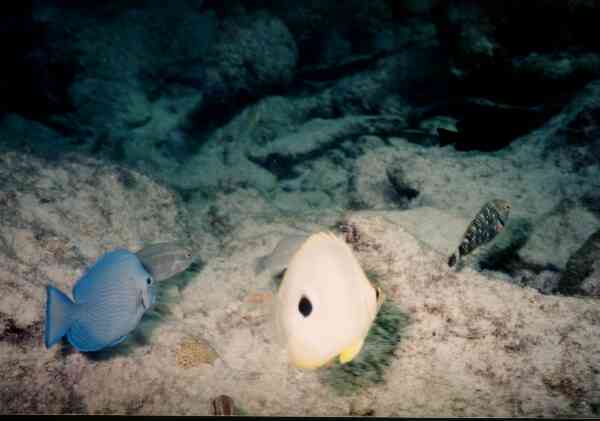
111	314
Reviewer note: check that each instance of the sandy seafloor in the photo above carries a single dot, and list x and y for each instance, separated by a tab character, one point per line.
460	343
494	338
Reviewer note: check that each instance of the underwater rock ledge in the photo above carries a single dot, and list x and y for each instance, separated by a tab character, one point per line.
476	343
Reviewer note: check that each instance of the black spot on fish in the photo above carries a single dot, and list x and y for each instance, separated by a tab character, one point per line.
305	306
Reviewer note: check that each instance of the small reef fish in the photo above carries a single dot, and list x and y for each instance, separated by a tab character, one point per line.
488	222
325	305
109	302
165	260
276	262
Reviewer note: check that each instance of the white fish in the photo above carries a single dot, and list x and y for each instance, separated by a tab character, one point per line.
325	305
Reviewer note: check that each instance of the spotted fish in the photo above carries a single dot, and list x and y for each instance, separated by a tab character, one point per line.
488	222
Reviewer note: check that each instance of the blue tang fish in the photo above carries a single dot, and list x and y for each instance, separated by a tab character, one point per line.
109	302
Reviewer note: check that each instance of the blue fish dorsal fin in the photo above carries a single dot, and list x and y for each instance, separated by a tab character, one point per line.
110	267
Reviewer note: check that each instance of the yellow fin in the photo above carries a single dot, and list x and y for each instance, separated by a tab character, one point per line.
305	364
352	351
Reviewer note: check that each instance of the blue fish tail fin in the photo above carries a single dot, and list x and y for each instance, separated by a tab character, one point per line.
58	310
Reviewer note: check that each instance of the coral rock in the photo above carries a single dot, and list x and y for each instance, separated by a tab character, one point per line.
193	352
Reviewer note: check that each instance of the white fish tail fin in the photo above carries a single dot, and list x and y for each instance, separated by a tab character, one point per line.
58	310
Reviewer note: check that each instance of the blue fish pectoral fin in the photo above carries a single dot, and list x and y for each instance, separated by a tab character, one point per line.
143	300
147	298
59	309
117	341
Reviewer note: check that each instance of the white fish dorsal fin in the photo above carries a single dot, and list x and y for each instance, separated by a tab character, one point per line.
328	244
277	261
318	242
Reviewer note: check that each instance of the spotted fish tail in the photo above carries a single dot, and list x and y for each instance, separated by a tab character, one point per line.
453	259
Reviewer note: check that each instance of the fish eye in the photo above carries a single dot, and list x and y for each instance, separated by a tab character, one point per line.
304	306
149	281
